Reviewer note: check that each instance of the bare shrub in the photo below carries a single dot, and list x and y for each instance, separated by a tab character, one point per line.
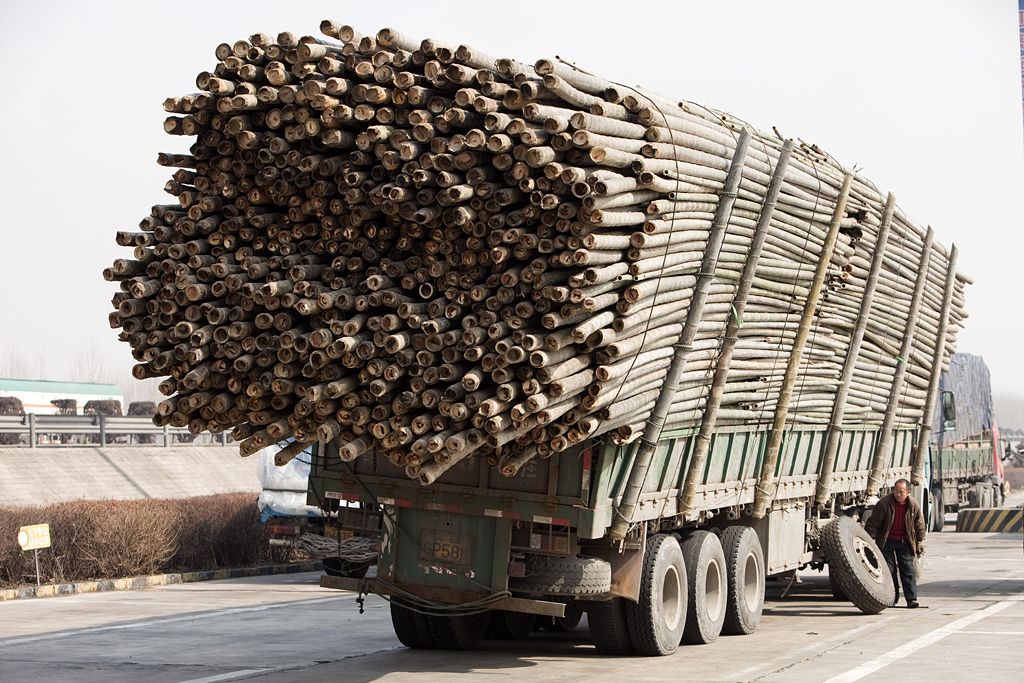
109	408
10	405
221	531
111	539
65	406
143	409
128	538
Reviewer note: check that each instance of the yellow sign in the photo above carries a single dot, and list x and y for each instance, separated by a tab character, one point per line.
34	537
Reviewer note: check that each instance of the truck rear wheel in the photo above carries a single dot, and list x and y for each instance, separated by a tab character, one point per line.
705	567
412	629
608	627
837	591
744	563
856	563
506	625
937	514
458	633
656	621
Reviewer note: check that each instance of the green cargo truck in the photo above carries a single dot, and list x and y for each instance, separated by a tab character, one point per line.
966	464
669	537
479	546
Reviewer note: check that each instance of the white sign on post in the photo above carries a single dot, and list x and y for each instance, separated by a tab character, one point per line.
33	537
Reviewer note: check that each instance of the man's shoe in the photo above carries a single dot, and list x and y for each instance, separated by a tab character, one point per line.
913	604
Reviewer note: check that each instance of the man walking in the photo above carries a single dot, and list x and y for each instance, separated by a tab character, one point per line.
897	525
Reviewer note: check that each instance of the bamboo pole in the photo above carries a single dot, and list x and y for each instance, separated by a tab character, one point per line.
927	415
884	442
623	517
835	427
765	486
702	442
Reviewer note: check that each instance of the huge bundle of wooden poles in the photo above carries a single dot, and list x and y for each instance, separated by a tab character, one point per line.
417	250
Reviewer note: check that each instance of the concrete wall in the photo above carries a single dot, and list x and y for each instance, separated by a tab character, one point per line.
42	476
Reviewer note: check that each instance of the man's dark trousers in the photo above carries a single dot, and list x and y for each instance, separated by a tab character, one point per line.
901	554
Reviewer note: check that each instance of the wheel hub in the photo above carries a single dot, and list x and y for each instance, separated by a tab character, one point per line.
869	559
671	604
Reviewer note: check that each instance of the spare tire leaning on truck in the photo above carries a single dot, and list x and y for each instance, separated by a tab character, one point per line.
856	564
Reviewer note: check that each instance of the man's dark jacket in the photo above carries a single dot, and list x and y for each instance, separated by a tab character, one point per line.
880	522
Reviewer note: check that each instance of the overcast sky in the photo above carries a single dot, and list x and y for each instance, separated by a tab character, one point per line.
924	97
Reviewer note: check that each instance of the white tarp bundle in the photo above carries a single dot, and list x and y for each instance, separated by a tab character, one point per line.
284	488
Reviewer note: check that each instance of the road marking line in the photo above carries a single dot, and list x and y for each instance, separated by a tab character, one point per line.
992	633
896	654
170	620
795	654
230	675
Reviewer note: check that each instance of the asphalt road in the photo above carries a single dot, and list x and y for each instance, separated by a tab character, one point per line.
285	629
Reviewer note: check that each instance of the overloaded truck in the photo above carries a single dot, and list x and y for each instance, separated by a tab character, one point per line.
966	458
585	348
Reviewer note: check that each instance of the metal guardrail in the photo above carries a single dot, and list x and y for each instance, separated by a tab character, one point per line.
33	431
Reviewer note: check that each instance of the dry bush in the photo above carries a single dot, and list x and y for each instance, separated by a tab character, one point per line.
143	409
65	406
10	405
129	538
60	562
108	407
220	531
111	539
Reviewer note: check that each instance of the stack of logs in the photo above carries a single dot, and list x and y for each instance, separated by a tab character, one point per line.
417	250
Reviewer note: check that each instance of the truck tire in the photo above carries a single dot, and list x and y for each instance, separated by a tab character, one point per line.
564	576
412	629
608	627
656	621
744	565
856	563
938	511
837	591
506	625
458	633
708	589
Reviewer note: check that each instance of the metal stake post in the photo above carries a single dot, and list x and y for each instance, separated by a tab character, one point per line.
37	566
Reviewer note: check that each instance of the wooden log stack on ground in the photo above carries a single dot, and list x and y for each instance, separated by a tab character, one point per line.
417	250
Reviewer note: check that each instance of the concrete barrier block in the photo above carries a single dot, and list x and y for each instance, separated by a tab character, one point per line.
990	520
